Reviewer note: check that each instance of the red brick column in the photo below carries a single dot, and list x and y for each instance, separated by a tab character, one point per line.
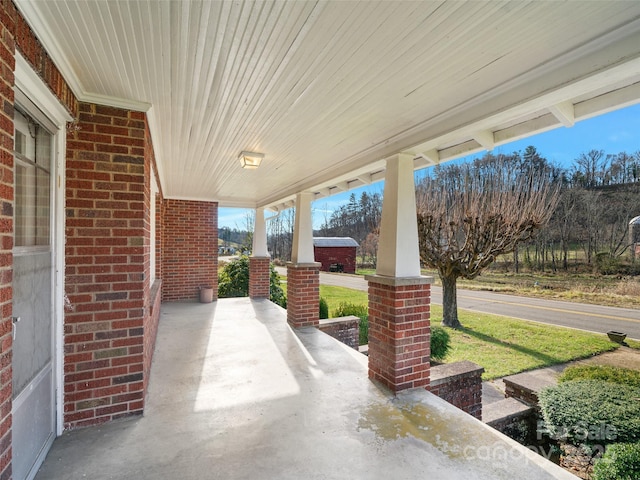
399	331
259	276
303	294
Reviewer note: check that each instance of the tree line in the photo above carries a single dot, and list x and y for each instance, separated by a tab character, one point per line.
358	219
599	194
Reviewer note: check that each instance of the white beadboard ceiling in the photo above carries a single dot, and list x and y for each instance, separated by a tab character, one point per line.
328	89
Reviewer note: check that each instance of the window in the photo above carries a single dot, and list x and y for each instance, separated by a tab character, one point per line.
33	148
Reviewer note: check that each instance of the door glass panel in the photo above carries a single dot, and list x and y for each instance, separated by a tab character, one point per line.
32	183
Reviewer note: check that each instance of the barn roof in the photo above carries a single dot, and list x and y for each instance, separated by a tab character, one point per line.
334	242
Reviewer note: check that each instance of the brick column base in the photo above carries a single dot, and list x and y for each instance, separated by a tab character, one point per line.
259	273
303	294
399	331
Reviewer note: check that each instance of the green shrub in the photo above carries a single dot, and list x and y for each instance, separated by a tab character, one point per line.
606	373
276	294
607	264
621	461
233	281
591	412
360	311
324	309
440	343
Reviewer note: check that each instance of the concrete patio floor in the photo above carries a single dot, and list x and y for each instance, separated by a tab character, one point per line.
236	394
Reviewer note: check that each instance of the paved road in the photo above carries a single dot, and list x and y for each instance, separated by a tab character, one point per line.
593	318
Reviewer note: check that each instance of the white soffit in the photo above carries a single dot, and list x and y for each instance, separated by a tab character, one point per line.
328	89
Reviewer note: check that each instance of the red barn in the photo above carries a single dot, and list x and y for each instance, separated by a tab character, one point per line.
336	254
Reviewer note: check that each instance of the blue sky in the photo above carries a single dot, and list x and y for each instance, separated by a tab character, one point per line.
615	132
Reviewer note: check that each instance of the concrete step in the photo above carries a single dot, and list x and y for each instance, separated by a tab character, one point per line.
504	411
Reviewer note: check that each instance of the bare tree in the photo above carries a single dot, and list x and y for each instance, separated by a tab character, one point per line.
280	234
469	214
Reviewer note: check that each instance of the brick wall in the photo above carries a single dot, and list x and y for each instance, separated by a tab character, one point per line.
344	329
399	332
515	389
15	34
346	256
7	66
259	277
151	330
189	249
460	384
152	293
159	234
107	262
303	294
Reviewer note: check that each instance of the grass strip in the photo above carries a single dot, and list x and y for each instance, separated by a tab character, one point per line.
502	345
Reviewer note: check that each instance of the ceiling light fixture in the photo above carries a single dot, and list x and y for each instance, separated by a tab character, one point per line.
250	159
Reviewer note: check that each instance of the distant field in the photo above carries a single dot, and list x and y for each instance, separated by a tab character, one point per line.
609	290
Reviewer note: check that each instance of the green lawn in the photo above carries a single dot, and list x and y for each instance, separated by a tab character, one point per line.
337	295
502	345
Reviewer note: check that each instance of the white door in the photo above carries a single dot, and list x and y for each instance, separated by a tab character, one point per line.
34	412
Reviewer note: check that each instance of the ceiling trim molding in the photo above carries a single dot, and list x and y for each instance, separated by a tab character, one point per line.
52	47
39	28
123	103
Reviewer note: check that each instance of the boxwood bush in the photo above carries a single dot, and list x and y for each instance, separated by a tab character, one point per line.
621	461
440	343
360	311
233	281
591	412
323	309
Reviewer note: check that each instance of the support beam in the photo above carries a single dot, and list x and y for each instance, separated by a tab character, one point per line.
399	298
303	230
433	155
303	273
485	139
565	113
398	254
259	262
260	235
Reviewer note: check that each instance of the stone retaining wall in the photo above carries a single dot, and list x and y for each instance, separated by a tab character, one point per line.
345	329
460	384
